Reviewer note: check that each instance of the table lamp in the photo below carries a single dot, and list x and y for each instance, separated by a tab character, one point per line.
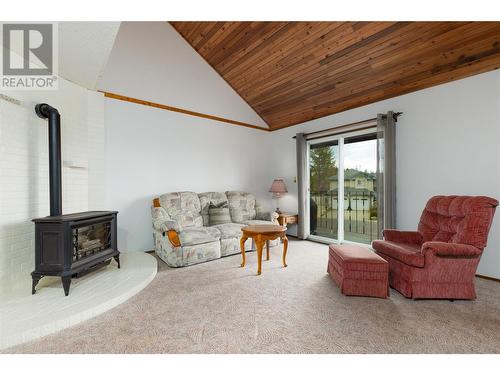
278	188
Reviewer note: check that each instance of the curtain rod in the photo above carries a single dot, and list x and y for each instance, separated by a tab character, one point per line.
395	115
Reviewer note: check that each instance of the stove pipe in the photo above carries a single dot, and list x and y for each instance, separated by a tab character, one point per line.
45	111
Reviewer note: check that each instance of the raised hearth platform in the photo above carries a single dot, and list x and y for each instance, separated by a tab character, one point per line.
27	317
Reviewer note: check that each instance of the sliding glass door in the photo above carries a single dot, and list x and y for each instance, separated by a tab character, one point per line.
360	184
342	188
323	203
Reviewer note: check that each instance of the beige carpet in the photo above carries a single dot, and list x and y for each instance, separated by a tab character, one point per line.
217	307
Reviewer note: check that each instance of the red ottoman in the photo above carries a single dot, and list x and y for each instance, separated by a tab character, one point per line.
358	271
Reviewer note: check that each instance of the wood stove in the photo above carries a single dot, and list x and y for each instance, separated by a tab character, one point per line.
74	244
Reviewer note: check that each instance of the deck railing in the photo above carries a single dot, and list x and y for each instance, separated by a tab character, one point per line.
360	216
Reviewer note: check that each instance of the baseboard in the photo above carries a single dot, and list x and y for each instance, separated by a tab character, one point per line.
488	278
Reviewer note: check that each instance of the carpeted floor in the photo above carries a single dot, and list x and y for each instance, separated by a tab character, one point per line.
218	307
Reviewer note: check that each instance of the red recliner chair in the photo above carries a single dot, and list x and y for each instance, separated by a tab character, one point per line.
440	259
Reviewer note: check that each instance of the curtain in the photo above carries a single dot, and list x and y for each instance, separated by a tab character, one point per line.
386	171
303	224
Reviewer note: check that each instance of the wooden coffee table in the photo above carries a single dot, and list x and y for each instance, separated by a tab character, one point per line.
263	234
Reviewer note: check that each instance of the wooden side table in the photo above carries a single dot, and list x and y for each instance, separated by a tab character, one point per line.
263	234
285	219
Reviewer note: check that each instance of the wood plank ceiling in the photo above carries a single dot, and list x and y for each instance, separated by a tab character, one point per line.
291	72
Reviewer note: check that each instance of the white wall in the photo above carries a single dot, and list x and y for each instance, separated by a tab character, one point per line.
24	186
151	61
151	151
84	49
447	143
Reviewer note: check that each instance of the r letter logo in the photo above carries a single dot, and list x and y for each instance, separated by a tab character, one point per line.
29	59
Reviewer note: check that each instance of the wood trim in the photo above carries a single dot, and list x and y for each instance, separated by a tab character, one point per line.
173	237
294	72
180	110
488	278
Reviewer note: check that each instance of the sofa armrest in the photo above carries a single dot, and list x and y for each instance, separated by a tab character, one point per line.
162	222
167	225
265	215
450	249
274	217
410	237
167	251
170	229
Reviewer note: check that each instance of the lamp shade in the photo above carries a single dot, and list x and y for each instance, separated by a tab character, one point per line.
278	186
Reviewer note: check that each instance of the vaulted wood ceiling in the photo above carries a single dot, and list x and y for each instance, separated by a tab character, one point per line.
291	72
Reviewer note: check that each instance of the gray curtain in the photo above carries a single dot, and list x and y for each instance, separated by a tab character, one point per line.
302	226
386	171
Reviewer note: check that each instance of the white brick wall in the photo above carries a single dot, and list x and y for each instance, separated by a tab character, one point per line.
96	151
24	189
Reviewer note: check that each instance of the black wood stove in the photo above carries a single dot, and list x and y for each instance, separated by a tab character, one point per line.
73	244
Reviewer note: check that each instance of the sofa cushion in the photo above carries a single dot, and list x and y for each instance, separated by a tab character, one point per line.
230	246
219	214
409	254
262	214
195	236
229	230
200	253
256	222
208	198
241	206
212	231
183	207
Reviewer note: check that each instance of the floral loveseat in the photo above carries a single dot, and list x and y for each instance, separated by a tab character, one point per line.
190	228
